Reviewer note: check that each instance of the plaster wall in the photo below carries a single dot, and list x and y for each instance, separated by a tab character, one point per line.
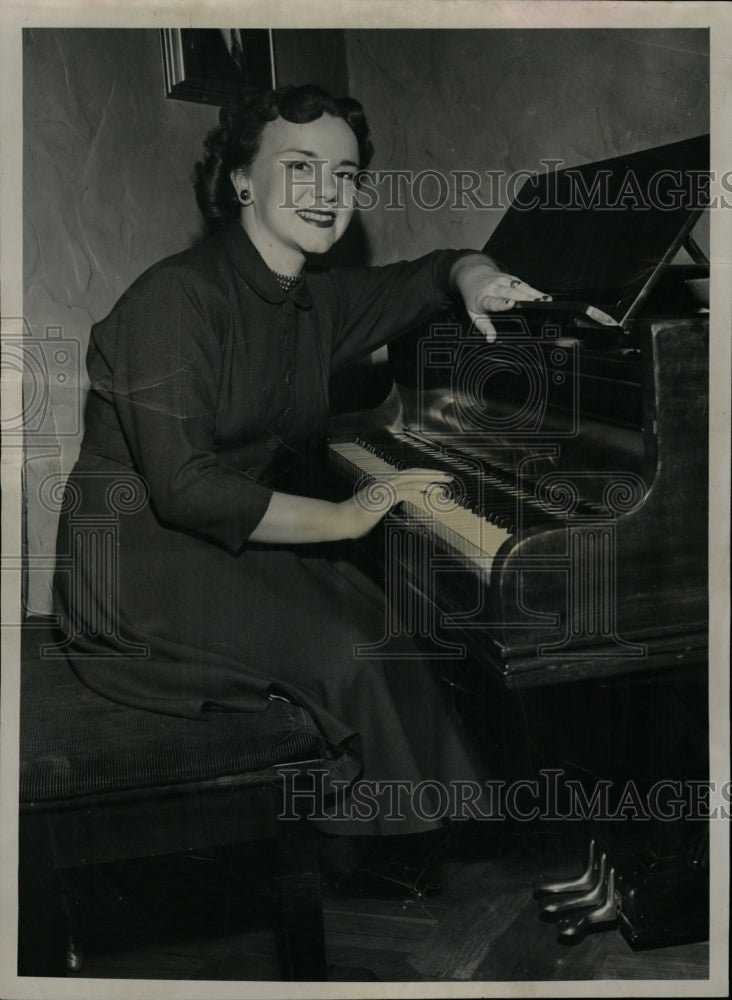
504	100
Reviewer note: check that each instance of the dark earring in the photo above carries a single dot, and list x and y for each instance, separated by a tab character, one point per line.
244	197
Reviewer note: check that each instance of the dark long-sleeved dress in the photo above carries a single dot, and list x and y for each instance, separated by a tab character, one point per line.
205	378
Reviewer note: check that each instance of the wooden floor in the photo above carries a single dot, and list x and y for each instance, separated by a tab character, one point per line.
211	917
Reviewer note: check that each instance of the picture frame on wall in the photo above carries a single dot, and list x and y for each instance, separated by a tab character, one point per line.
213	65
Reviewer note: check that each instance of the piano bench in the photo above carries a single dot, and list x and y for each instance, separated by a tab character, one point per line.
102	782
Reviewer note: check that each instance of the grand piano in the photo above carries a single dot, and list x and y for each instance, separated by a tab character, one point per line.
571	545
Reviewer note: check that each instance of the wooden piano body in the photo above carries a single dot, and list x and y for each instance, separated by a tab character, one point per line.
610	574
580	451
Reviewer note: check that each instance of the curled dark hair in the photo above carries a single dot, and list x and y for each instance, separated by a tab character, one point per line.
235	142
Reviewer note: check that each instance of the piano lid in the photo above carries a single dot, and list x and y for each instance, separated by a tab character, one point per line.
602	233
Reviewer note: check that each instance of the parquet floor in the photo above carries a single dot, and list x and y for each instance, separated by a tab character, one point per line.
211	918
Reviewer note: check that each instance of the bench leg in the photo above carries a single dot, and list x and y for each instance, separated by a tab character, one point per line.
300	899
42	939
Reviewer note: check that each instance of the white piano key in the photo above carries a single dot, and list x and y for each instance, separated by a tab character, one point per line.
460	529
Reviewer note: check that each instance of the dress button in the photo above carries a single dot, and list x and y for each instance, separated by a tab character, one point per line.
289	376
288	307
288	341
272	444
288	413
253	471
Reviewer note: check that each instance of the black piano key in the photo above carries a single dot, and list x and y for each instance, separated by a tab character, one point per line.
487	488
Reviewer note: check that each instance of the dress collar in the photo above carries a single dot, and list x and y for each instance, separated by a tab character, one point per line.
252	267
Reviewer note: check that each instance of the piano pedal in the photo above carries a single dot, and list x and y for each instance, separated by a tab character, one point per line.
575	927
548	884
588	900
592	897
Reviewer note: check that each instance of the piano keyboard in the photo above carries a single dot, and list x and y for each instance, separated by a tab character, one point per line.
462	531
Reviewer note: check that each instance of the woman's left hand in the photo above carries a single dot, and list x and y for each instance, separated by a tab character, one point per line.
485	289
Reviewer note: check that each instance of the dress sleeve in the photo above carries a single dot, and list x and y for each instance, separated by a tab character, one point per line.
376	304
167	334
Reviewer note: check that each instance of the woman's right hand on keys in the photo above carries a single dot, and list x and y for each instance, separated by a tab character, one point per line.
291	519
370	503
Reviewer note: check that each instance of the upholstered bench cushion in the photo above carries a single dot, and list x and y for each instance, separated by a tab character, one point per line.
74	742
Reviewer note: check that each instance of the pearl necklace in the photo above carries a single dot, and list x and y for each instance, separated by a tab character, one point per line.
286	281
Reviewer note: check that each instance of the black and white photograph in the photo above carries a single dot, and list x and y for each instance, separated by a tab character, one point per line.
365	500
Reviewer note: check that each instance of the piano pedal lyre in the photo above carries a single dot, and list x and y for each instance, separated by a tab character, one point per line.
589	899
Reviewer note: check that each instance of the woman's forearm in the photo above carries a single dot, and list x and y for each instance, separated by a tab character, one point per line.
294	519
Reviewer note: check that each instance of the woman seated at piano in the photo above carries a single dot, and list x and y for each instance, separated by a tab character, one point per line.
208	379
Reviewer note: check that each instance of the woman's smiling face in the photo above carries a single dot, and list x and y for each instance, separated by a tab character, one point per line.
301	186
